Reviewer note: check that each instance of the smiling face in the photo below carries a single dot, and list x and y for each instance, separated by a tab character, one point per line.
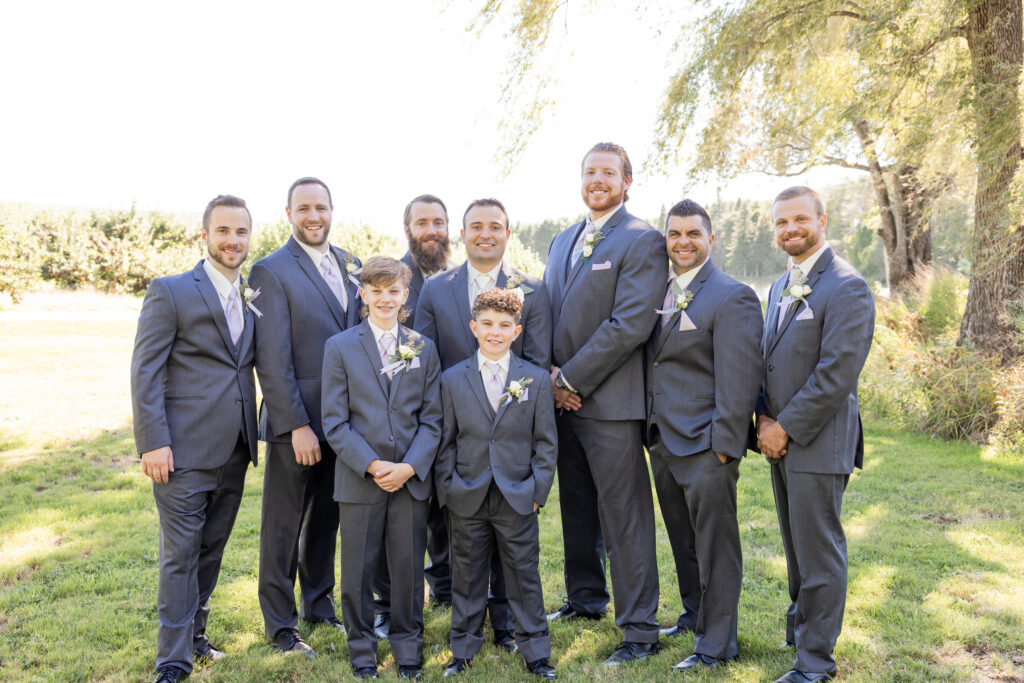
798	227
485	235
310	215
494	331
688	242
427	232
604	184
384	301
227	239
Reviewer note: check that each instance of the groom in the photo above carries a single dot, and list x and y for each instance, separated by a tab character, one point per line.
194	406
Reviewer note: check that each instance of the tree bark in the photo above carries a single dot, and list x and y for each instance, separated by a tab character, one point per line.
994	39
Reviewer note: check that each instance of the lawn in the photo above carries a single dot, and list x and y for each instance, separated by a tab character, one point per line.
936	542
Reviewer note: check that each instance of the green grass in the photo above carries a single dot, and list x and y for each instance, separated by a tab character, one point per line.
936	542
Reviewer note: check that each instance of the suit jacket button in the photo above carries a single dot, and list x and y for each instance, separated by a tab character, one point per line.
238	401
391	438
656	363
771	368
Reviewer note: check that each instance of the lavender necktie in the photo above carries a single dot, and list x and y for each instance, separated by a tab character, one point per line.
577	250
787	301
387	349
327	268
670	302
234	315
495	387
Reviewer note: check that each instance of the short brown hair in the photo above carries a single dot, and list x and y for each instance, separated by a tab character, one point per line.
500	300
802	191
617	150
425	199
488	201
228	200
382	271
309	180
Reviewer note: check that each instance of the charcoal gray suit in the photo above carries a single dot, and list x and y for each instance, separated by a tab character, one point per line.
603	311
367	417
490	469
192	390
811	366
702	389
415	285
299	527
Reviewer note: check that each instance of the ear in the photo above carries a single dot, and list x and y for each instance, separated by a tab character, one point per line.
519	331
472	327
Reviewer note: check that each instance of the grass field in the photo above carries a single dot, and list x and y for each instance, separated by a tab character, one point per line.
936	541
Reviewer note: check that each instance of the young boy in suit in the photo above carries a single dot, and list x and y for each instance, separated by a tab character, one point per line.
382	416
494	470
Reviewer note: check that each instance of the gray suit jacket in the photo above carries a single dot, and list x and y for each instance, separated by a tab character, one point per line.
811	367
515	447
443	314
414	289
300	313
366	420
192	389
603	311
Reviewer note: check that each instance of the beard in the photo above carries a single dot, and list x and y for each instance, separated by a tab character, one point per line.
430	258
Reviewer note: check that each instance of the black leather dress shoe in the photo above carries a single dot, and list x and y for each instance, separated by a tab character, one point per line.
455	667
506	640
567	611
542	668
366	672
289	640
382	625
697	661
203	652
335	622
787	645
170	674
675	631
797	676
409	671
631	652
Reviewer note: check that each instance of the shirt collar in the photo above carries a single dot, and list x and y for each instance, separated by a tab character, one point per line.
220	283
683	281
502	362
474	273
809	262
599	223
378	332
317	256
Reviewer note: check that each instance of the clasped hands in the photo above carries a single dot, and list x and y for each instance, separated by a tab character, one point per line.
564	399
772	439
390	476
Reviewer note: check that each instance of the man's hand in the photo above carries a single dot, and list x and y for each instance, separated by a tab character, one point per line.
306	446
157	464
723	458
564	399
772	439
393	476
536	506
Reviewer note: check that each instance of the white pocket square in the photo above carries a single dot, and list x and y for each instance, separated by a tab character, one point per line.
806	314
415	362
601	266
685	323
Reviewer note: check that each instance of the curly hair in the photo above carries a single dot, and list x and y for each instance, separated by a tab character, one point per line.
500	300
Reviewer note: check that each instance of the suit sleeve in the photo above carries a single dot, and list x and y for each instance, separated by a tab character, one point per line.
424	321
638	294
153	342
847	330
444	465
738	370
351	447
424	444
274	363
537	328
545	441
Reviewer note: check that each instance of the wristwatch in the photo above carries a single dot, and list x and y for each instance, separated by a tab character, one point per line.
562	384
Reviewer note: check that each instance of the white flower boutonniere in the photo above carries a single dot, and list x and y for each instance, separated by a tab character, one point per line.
589	242
248	294
799	289
515	285
352	270
405	357
683	300
516	391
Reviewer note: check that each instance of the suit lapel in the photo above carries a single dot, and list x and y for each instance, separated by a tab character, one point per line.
313	273
460	292
696	284
606	231
212	299
369	343
515	371
819	267
247	331
352	289
396	378
476	385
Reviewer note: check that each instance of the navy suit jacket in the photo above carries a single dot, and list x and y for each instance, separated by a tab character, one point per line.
192	389
300	313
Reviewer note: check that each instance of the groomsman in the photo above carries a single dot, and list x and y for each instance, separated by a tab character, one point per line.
194	407
703	374
605	276
820	322
307	296
444	315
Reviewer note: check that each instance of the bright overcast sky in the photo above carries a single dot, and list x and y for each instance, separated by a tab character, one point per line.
169	104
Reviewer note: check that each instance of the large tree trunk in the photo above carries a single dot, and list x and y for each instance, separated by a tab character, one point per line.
997	252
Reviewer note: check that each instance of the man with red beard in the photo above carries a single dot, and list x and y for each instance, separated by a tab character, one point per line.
426	228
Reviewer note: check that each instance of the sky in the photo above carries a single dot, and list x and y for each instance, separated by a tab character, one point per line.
167	105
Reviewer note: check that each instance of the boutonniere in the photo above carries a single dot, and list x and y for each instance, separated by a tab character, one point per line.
405	357
682	302
591	241
515	285
353	270
799	289
248	294
516	391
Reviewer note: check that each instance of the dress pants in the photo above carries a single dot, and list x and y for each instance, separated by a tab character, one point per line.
496	530
809	508
606	501
398	524
197	510
298	536
697	495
